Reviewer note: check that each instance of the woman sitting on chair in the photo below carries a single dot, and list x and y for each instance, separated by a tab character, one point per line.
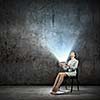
70	68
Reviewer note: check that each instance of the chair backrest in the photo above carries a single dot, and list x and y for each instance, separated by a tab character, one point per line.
77	71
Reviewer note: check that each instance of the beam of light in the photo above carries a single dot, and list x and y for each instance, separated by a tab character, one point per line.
59	35
55	28
61	53
60	45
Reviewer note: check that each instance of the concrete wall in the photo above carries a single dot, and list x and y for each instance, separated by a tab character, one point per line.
24	57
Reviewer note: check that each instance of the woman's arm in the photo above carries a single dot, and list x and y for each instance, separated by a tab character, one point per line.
67	65
64	65
75	65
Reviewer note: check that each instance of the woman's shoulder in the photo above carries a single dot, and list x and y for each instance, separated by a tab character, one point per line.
76	60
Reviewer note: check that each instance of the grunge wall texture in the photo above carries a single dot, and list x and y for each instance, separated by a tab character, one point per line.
24	59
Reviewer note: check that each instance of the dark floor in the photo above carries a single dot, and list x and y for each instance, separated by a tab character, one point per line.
42	93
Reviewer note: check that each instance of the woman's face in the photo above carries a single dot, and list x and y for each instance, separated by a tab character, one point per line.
72	54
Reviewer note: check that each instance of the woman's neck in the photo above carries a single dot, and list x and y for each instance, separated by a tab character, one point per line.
72	58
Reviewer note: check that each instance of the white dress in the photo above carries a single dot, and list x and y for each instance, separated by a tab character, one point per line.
73	64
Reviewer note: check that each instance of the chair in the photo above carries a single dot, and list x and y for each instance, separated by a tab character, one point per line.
72	78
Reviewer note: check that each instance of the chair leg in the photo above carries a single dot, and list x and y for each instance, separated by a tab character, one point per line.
77	84
72	85
66	84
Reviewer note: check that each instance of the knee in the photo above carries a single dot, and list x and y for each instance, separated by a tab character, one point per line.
60	73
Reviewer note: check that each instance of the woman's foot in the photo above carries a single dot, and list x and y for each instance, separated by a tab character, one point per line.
59	89
54	90
53	93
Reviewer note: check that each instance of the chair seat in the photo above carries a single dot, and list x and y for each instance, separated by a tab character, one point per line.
71	77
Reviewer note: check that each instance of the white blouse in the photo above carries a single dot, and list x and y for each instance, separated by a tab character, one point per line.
73	63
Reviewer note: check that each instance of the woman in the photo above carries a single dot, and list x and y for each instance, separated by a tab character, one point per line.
71	71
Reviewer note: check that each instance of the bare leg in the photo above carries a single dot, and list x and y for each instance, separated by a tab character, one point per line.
57	78
60	81
56	81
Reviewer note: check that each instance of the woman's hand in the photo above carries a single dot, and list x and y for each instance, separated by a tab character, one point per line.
67	65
